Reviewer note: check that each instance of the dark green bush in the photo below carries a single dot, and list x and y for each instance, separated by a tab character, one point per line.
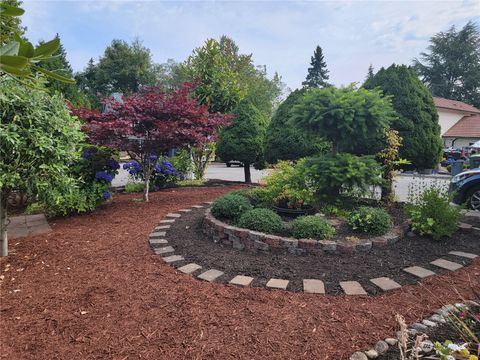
255	196
375	221
263	220
230	206
314	227
432	214
342	175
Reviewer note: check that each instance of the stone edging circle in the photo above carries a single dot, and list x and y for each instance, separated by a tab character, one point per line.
161	247
244	239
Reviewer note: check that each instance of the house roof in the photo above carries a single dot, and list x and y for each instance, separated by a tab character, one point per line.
455	105
466	127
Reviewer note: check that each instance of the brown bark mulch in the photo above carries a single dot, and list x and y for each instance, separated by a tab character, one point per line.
93	289
187	239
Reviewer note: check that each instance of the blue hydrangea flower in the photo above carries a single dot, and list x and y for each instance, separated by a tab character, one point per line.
102	175
153	157
113	164
106	195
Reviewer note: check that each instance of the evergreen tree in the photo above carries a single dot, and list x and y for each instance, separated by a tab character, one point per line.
317	73
243	140
284	140
11	24
451	67
59	64
417	117
370	72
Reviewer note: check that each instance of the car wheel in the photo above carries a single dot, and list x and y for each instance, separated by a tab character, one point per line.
473	198
228	164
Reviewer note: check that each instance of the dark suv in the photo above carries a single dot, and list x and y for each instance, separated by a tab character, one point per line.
466	188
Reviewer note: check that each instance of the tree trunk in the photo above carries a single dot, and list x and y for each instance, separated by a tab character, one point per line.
3	224
146	185
334	148
246	170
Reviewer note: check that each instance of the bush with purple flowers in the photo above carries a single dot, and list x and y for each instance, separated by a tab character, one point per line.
163	172
90	180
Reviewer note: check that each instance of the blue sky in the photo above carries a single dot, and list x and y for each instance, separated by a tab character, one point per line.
281	34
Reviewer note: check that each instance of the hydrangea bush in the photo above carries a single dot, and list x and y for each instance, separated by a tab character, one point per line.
85	186
163	172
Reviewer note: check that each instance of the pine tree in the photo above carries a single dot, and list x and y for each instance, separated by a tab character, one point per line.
451	67
59	64
317	72
417	117
243	140
370	72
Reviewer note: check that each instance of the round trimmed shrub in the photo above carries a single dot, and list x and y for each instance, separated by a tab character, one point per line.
255	196
312	227
375	221
264	220
230	206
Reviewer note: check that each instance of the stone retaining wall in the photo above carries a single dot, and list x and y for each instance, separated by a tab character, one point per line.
244	239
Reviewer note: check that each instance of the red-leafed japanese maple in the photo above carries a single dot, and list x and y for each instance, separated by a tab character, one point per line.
151	122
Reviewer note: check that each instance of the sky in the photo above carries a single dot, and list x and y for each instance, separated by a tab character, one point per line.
280	34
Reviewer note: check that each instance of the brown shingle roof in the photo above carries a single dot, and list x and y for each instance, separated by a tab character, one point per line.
466	127
455	105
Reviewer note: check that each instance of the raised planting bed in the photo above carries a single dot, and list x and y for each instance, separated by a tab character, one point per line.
180	240
344	241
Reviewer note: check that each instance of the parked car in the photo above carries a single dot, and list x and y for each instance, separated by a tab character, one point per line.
234	162
466	188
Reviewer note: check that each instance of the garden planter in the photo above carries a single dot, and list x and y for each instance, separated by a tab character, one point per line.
282	211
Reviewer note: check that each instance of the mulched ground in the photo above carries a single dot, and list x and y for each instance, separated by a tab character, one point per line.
186	237
93	289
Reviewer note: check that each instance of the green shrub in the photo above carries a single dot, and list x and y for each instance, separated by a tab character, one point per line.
134	187
230	207
35	208
375	221
344	174
432	214
314	227
287	184
256	197
263	220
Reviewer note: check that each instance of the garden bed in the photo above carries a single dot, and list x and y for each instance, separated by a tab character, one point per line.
345	239
187	237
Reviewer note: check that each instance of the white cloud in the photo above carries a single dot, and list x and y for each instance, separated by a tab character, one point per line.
280	34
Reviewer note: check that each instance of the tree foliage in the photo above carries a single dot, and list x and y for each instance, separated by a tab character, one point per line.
451	66
243	139
218	83
18	57
417	117
151	122
317	72
347	117
10	24
285	140
59	64
39	139
123	68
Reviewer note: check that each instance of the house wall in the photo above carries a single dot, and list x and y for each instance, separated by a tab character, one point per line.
458	142
448	118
